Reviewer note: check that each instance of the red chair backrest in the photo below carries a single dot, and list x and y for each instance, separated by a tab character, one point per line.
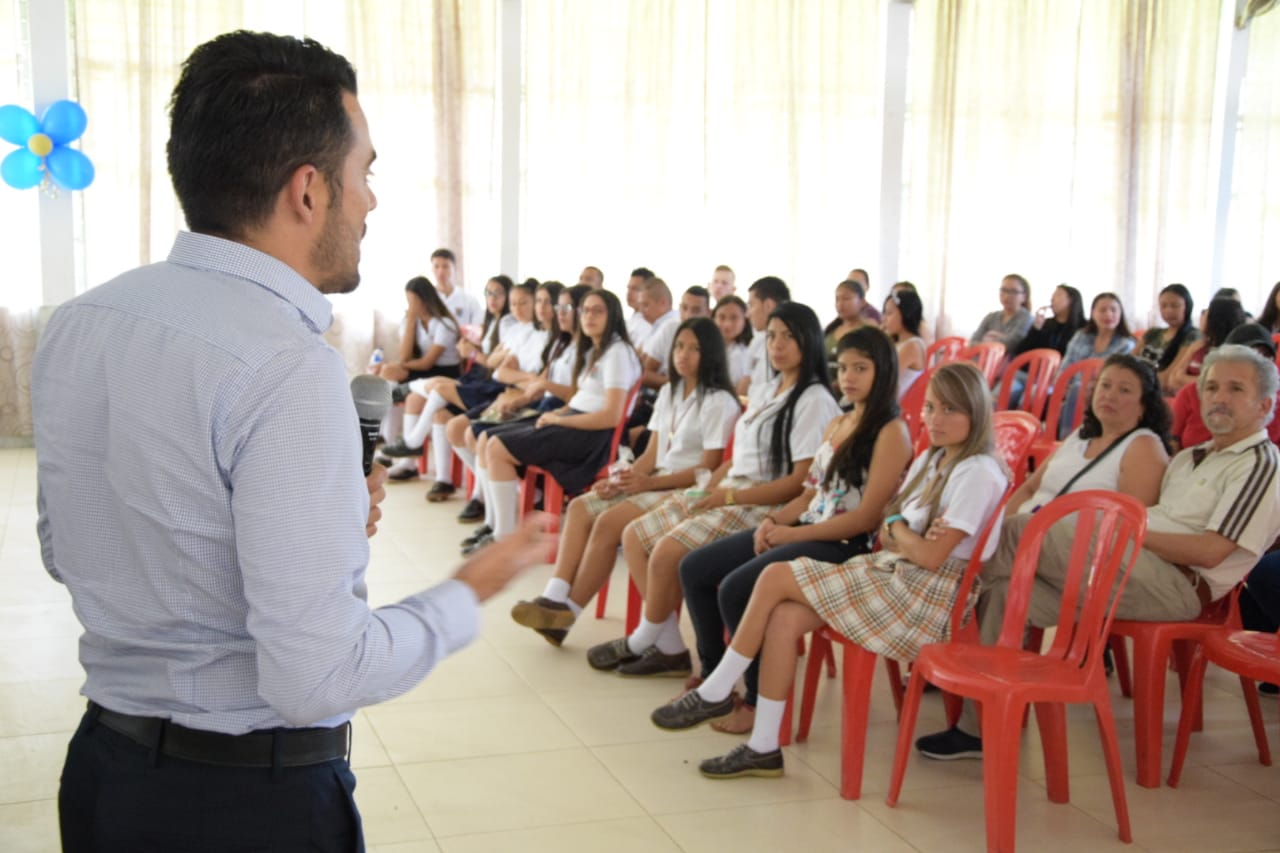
989	356
1086	371
943	350
1040	365
1109	530
620	429
1015	432
959	607
912	404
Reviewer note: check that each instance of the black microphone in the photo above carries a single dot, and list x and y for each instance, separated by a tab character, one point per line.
372	395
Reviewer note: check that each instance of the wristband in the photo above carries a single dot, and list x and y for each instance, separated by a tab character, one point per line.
728	497
897	516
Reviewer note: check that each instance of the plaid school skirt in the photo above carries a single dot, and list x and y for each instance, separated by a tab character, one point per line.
644	501
693	530
883	602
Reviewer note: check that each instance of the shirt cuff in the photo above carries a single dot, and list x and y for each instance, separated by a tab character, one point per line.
457	602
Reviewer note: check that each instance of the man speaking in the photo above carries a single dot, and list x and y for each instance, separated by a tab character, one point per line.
221	584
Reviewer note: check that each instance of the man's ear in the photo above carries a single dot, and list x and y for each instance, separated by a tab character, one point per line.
306	193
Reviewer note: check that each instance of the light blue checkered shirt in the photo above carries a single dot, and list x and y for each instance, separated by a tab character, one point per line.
201	496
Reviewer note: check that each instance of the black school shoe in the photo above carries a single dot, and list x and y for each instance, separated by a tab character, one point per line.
472	512
949	745
742	760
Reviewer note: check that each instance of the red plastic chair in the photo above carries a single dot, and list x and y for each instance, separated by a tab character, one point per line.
912	405
859	668
1005	678
1153	645
1254	656
1087	371
943	350
1015	433
1040	365
989	356
553	496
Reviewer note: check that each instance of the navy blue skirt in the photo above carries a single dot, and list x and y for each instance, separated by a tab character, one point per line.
573	456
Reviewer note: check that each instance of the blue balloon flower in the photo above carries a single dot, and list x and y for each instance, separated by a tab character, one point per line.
43	156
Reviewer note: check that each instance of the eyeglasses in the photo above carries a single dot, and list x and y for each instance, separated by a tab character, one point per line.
1011	291
493	293
597	311
564	309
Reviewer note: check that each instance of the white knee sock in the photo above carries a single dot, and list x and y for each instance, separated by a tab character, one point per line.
720	682
482	485
468	457
506	506
442	453
410	423
393	423
764	733
669	641
415	435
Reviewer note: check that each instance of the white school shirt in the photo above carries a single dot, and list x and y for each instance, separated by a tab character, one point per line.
529	352
617	368
739	361
661	336
758	357
638	328
686	426
972	493
506	323
815	409
438	332
560	371
465	307
515	334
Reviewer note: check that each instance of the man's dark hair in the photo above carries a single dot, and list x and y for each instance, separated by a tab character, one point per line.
700	292
248	111
770	287
642	272
447	254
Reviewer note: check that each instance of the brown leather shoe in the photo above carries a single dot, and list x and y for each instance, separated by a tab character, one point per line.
440	490
653	663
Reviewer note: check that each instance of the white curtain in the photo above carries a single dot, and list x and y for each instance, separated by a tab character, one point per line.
1065	141
1253	227
680	135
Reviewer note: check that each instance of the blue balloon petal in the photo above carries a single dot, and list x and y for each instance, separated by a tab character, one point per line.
17	124
21	169
69	168
64	121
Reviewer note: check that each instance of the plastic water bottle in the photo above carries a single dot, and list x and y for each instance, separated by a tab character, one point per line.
375	360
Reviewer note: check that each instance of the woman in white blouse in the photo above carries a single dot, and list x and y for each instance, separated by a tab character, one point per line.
731	316
692	420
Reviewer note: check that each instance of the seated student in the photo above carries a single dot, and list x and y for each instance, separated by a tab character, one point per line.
692	421
869	312
570	443
1105	334
763	297
527	396
509	324
723	283
1219	510
891	602
1269	317
464	306
926	330
637	326
855	472
774	443
1159	347
850	300
1011	323
1221	318
1260	605
656	351
591	276
902	315
1052	329
428	337
1188	427
731	317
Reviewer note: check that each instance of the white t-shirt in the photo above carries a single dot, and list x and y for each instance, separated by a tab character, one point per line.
739	361
1069	459
515	334
529	350
506	323
971	495
465	307
438	332
637	329
661	336
815	409
617	368
691	425
560	371
758	357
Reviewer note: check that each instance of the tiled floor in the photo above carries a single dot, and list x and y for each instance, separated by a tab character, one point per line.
514	745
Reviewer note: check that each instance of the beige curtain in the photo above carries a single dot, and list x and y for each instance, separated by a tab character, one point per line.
128	54
680	135
1066	141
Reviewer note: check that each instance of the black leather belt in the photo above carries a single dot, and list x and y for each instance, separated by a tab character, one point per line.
277	748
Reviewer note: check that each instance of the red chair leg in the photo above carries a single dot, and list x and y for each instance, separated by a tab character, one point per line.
859	670
1001	739
635	604
894	671
819	649
1150	657
1115	772
1250	688
602	598
784	728
1120	655
1190	696
906	730
1052	720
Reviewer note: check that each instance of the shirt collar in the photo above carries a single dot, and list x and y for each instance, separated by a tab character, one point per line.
206	252
1246	443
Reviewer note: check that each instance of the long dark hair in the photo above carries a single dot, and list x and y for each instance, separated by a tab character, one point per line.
803	325
421	287
713	361
491	323
552	289
852	458
910	309
1122	330
1075	314
1223	316
744	337
1269	319
1155	413
558	343
615	326
1179	338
